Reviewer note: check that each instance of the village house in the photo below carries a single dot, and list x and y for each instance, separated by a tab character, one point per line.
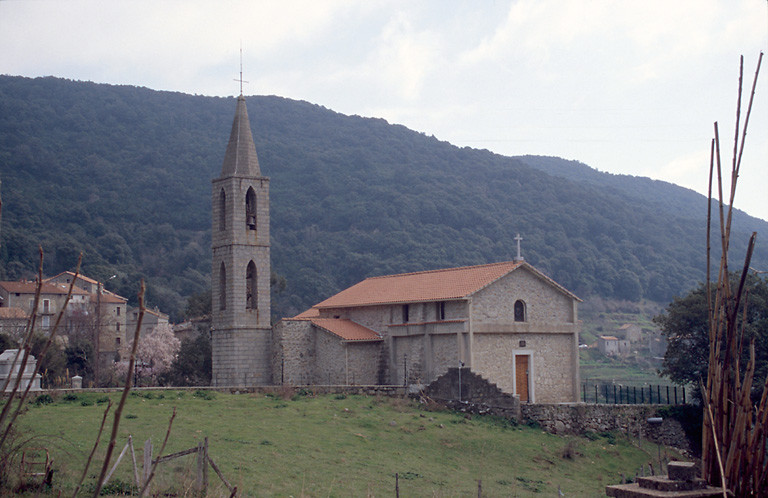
22	295
612	345
630	332
13	321
152	318
86	313
107	311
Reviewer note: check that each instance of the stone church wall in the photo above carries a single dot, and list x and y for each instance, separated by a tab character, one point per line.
407	357
552	369
445	354
544	303
293	352
329	367
304	355
363	362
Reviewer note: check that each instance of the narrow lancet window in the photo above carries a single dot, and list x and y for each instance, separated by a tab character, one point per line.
222	210
250	286
222	287
519	310
250	209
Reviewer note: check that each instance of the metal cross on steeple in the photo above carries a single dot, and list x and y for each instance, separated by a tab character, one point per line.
518	239
241	70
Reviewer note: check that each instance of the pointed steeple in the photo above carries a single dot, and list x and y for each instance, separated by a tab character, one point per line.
240	158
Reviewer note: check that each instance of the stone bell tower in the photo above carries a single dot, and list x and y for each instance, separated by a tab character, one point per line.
241	330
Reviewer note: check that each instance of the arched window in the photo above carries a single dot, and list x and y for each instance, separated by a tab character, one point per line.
519	310
222	210
250	209
250	287
222	287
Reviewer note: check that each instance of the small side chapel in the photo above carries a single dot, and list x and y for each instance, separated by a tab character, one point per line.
507	322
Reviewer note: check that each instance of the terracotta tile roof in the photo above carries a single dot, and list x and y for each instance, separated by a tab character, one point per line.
108	297
72	274
346	329
12	313
30	287
310	313
609	338
435	285
147	311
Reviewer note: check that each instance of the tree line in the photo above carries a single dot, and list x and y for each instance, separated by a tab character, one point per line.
123	174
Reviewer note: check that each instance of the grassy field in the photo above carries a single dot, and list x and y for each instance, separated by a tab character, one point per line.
332	445
594	366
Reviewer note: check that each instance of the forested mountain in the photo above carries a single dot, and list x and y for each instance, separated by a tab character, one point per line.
124	174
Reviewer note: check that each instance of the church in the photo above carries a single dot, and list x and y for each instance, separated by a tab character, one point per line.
507	322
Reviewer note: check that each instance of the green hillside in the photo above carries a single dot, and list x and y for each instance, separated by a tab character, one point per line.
123	173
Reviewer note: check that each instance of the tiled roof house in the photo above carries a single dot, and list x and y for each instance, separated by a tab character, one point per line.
507	322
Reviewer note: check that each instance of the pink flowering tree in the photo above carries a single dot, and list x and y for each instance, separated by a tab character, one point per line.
154	356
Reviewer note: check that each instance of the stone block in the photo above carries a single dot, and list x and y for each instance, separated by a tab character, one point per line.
682	471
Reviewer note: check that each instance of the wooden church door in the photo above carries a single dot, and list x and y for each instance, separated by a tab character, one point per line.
521	377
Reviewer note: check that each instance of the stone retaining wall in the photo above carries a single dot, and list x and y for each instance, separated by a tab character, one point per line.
632	420
474	394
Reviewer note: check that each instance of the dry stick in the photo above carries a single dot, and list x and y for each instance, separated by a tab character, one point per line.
135	467
723	243
710	310
124	397
95	445
745	418
760	439
749	109
713	381
745	272
709	230
717	448
117	462
42	352
734	167
159	454
221	476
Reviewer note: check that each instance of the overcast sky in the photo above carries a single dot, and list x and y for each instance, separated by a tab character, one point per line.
624	86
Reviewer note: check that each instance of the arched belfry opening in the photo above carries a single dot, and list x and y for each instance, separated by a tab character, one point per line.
250	209
251	292
222	210
222	287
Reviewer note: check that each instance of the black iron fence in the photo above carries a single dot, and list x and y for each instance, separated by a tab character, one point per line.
618	394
